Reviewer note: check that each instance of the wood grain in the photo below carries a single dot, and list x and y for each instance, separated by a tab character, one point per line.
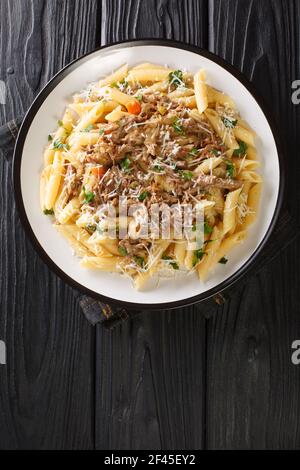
184	20
46	389
253	388
150	381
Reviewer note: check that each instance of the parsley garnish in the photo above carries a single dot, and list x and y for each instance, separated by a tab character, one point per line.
48	211
198	255
57	144
120	85
139	260
125	164
230	123
157	168
207	228
242	149
123	83
88	196
193	152
50	138
230	169
176	78
223	260
60	123
143	196
173	263
122	250
178	128
186	175
215	152
101	132
139	98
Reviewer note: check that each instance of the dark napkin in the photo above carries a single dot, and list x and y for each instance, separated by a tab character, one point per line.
95	311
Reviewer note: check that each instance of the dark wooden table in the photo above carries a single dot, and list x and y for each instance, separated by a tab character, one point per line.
166	380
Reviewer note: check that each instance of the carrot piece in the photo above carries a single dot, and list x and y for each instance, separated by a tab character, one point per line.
134	107
98	171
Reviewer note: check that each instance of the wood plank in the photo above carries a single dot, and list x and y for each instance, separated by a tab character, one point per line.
253	388
149	382
46	389
150	371
183	20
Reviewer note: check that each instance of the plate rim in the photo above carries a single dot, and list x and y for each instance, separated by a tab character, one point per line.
17	160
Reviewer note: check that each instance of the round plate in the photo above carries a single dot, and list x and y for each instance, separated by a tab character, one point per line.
42	119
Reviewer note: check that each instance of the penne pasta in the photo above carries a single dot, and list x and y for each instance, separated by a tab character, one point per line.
211	248
223	249
225	133
54	180
144	138
230	208
208	165
108	264
200	91
245	135
117	76
148	75
214	96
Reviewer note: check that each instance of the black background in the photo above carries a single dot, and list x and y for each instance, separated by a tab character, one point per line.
166	380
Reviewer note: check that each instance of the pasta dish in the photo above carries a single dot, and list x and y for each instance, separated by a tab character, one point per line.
151	170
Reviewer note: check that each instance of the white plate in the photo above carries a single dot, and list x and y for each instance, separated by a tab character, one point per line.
42	119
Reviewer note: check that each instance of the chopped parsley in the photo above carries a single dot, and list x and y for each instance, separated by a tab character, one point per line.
50	138
229	169
230	123
177	126
193	153
143	196
223	260
122	250
241	150
172	263
57	144
157	168
88	196
215	152
48	211
186	175
139	98
101	132
198	255
122	85
207	228
60	123
139	260
176	78
126	164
